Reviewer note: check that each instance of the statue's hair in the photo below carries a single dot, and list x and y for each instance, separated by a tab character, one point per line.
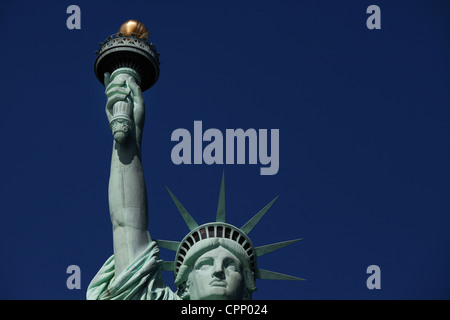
200	248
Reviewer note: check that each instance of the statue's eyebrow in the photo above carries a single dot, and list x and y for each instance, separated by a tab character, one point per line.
203	260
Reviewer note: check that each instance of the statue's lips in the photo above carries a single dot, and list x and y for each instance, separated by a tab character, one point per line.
218	283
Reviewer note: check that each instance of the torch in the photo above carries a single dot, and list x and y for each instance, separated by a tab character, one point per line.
124	54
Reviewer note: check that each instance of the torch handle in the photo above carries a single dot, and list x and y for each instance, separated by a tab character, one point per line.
121	123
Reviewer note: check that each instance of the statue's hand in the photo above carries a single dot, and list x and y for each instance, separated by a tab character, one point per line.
124	88
138	102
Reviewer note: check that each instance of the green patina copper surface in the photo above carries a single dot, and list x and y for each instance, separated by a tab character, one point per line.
215	250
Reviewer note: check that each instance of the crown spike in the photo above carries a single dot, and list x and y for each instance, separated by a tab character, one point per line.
270	275
262	250
167	244
191	223
221	206
246	228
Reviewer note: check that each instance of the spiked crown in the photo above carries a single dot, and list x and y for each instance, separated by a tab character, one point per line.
222	230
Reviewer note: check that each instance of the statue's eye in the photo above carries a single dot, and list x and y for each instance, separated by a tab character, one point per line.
232	267
205	267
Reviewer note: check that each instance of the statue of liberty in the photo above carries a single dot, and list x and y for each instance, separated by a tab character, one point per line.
213	261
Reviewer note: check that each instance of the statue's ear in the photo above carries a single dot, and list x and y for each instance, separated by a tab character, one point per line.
248	278
250	286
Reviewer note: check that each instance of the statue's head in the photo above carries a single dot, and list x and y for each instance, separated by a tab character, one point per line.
217	261
216	269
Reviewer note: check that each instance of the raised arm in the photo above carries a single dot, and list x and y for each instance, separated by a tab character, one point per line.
127	192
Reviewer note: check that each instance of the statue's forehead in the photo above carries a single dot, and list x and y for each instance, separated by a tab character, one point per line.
219	253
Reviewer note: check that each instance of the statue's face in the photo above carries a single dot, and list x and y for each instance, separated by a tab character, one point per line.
217	275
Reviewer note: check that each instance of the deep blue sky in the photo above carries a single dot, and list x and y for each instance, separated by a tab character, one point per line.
364	139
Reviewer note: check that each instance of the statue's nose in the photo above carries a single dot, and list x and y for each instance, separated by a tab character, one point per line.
218	272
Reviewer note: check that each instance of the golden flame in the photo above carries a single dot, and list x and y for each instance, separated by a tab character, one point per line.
135	27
